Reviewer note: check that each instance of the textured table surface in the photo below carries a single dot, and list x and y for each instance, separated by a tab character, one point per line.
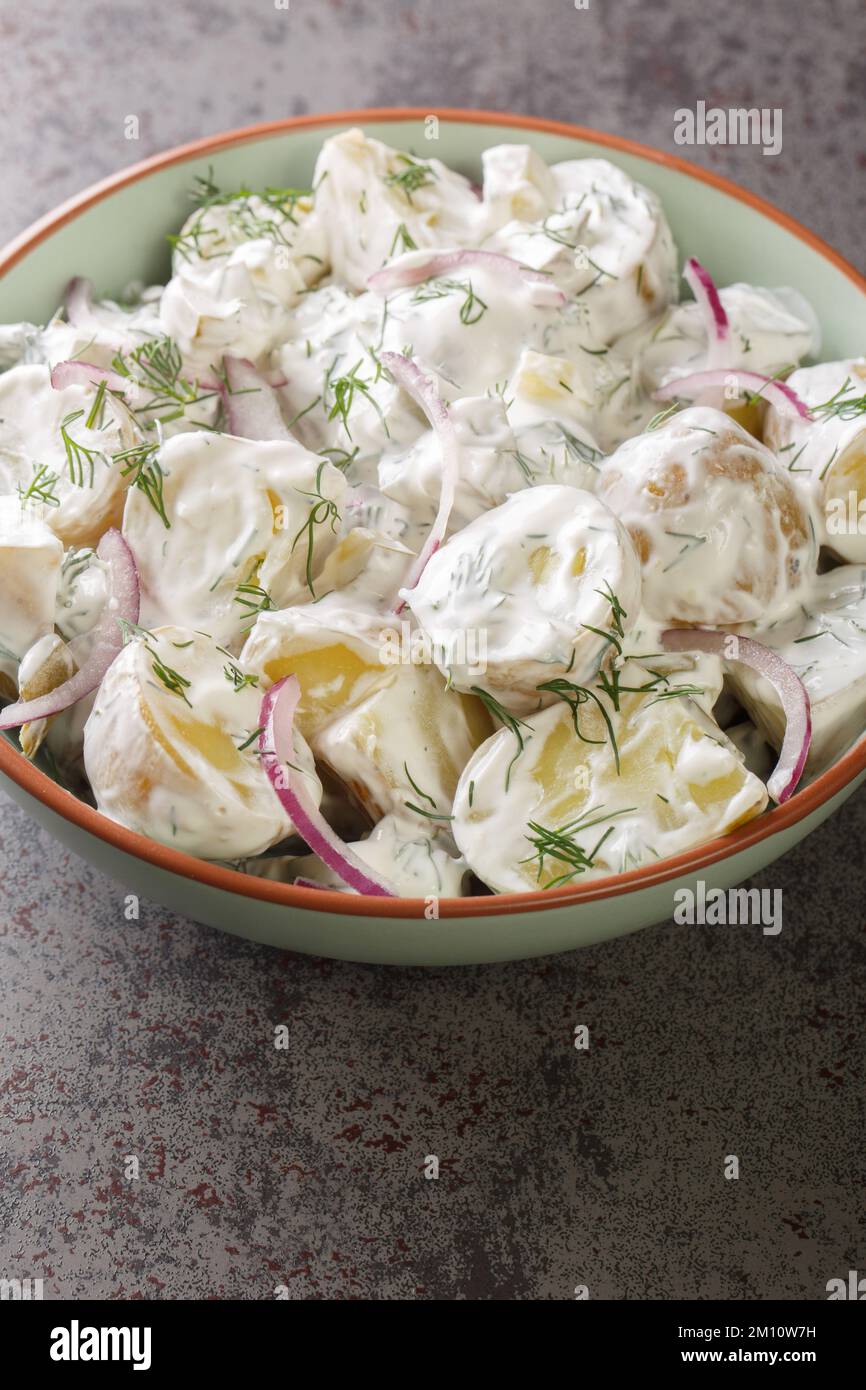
303	1169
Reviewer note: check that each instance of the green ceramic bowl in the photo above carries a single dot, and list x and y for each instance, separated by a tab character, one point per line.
115	232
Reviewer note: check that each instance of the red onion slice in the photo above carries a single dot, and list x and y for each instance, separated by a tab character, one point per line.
401	276
252	407
702	286
76	373
778	393
103	642
786	683
411	379
78	302
277	754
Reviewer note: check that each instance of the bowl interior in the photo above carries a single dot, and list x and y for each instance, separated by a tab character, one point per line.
122	238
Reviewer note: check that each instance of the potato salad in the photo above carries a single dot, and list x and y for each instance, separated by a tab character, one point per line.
423	537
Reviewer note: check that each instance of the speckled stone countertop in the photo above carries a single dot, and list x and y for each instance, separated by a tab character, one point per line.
301	1171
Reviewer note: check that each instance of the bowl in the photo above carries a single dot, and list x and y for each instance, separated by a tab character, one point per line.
115	232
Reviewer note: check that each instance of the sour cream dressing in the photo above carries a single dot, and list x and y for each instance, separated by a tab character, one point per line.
510	715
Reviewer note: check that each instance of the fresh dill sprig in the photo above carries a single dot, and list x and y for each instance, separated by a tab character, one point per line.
414	176
840	405
41	487
472	308
141	462
305	411
405	239
204	190
340	458
97	410
524	464
505	717
561	846
78	456
157	366
673	692
428	815
239	679
662	416
554	234
251	739
757	397
585	453
171	679
130	630
416	789
600	275
617	612
281	202
324	510
576	696
188	243
253	598
610	684
344	388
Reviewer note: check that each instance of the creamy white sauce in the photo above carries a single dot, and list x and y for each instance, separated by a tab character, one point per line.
371	199
238	267
723	535
60	448
769	330
824	642
679	777
519	689
173	759
530	579
414	863
826	457
30	561
236	540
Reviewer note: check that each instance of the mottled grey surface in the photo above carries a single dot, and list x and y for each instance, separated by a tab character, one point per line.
303	1168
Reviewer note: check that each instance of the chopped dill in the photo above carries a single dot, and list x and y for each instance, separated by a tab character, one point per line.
841	405
41	487
301	413
428	815
406	242
692	543
78	456
344	389
415	175
97	410
472	308
662	417
575	696
254	599
171	679
561	846
340	458
239	679
416	789
505	717
252	738
141	462
157	366
324	509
